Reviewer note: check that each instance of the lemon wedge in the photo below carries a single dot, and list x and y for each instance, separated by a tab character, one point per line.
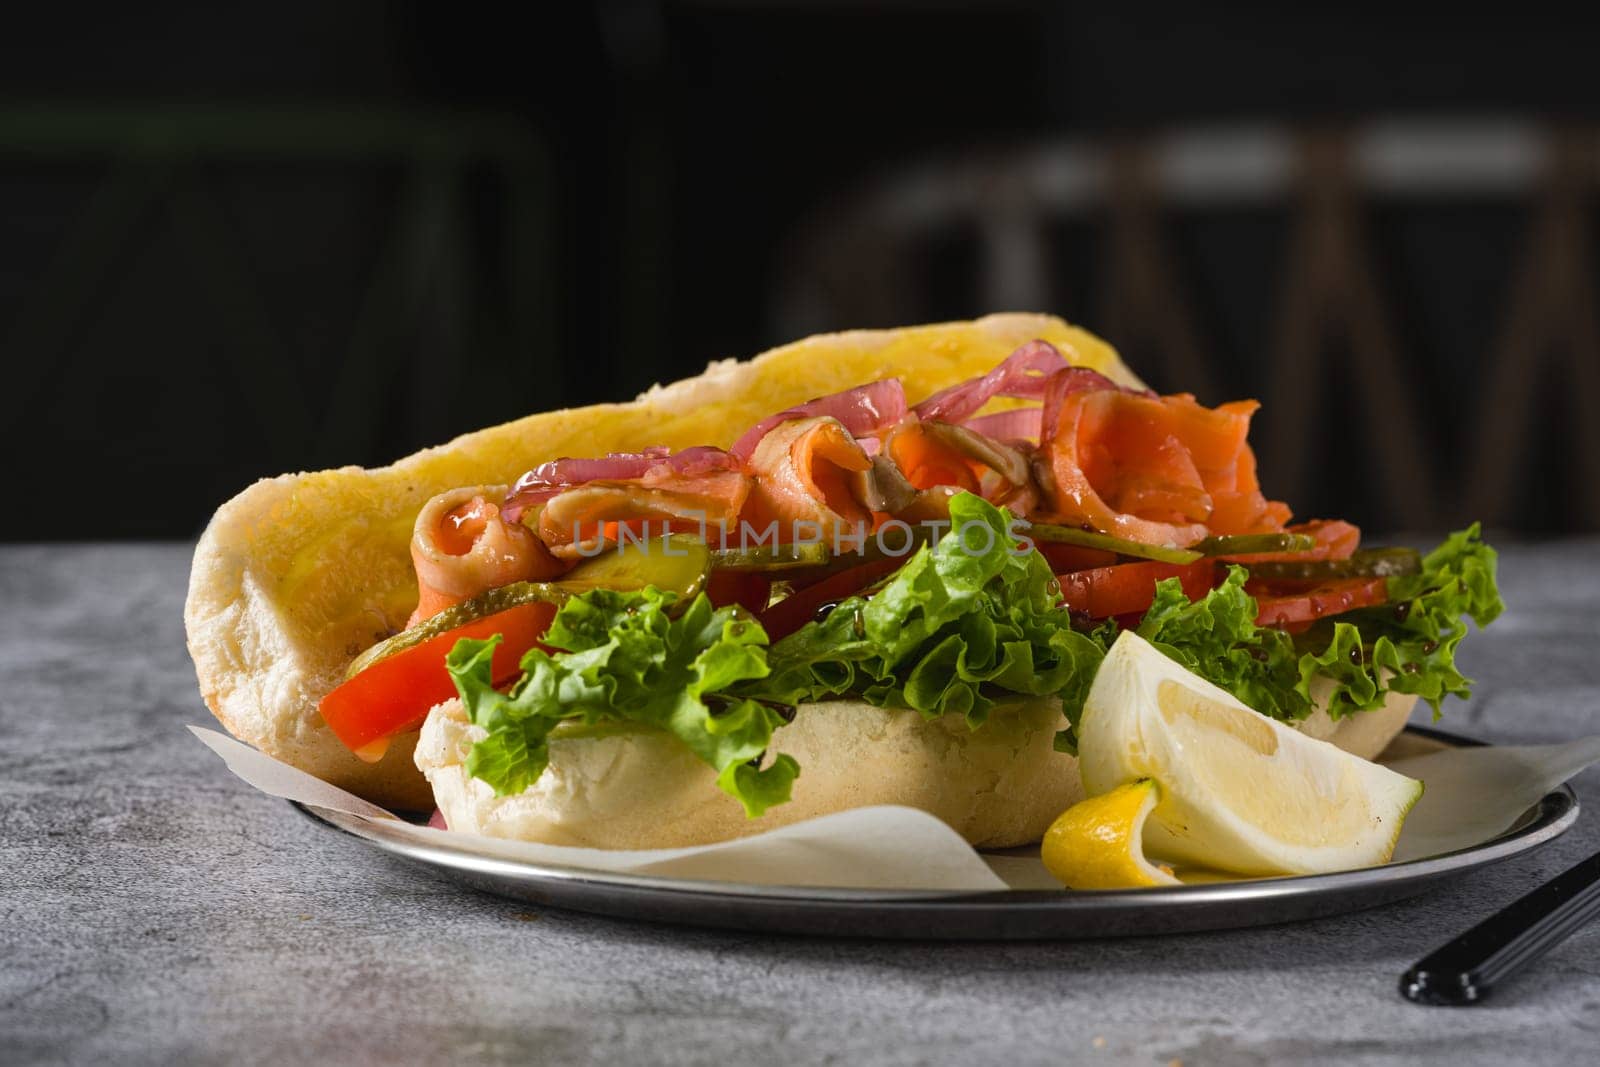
1239	791
1097	843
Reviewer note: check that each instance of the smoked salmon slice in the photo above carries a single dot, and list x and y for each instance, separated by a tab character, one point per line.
807	474
1240	507
577	521
1159	470
937	454
462	544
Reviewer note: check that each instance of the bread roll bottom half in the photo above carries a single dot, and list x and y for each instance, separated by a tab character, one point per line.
998	786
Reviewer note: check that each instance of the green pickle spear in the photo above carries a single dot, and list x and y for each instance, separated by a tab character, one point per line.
1367	563
1252	544
1072	535
481	606
678	563
1228	545
772	557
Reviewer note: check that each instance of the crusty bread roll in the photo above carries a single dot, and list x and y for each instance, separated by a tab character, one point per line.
298	574
1365	734
628	788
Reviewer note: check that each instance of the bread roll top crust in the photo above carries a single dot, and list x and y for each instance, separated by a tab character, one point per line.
298	574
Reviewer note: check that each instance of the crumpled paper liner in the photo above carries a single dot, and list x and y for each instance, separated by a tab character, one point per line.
1472	795
868	848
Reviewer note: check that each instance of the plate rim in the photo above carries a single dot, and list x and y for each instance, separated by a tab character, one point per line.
1552	815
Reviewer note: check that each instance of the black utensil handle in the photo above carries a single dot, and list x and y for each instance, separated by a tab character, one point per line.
1467	969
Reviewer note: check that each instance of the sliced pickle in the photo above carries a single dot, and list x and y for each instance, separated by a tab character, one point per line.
485	604
771	557
896	546
1072	535
1367	563
1251	544
678	564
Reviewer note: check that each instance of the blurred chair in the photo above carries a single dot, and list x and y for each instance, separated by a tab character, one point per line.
1432	456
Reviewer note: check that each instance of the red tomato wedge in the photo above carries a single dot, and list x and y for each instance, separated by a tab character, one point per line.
799	608
1296	610
394	694
1128	588
1064	558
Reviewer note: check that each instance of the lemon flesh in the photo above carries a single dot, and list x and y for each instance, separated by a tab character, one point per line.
1239	792
1098	843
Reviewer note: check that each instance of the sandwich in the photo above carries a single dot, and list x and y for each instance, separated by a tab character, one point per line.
877	567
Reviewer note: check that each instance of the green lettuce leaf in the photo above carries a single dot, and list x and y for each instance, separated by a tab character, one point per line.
627	657
1217	638
1408	645
963	625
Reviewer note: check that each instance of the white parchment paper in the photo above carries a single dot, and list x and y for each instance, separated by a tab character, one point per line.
1472	795
868	848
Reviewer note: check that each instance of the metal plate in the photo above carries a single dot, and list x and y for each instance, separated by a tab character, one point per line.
1011	914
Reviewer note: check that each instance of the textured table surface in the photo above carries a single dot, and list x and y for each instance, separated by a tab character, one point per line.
153	909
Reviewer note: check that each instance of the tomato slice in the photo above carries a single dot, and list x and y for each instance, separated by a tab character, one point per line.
800	607
1293	611
1128	588
1063	558
394	694
1336	539
749	589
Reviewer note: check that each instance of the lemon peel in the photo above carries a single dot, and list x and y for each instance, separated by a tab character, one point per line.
1098	843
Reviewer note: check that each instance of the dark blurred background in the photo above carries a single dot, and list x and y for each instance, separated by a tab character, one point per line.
239	242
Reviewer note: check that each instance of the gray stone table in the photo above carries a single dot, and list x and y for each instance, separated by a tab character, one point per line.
153	909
